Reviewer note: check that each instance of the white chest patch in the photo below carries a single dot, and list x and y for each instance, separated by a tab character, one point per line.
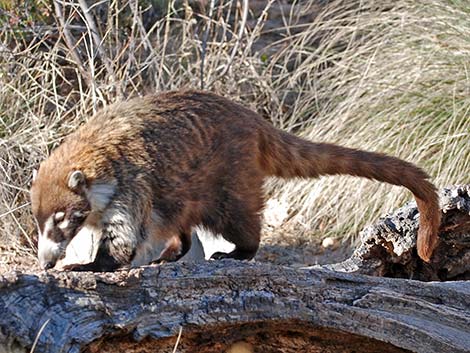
83	247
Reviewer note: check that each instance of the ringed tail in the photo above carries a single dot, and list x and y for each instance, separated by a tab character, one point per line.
287	156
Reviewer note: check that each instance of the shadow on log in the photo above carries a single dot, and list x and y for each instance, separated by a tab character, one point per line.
270	308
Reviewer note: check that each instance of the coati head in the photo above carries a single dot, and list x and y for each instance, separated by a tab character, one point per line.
62	204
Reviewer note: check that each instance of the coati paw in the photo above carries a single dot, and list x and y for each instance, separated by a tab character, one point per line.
235	254
220	255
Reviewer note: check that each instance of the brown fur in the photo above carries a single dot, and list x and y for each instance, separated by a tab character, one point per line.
195	158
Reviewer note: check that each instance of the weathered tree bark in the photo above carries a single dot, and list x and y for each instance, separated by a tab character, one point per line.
215	300
219	303
388	247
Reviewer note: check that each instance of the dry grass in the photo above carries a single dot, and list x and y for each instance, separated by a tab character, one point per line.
391	77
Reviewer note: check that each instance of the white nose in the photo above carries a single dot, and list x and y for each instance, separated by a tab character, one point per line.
46	265
48	252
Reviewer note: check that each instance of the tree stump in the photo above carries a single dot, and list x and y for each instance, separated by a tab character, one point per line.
269	308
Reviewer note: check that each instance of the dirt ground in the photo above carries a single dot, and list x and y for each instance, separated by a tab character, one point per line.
11	260
294	248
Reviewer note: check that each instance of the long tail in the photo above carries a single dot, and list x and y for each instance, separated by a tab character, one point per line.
287	156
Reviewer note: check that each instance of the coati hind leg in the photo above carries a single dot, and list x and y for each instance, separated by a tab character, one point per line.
246	240
242	227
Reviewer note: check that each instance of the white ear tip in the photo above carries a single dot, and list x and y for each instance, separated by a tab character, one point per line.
76	179
35	174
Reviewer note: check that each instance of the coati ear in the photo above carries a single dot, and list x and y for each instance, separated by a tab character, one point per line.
35	174
76	180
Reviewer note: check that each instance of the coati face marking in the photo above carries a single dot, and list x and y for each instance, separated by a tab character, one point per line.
61	208
55	234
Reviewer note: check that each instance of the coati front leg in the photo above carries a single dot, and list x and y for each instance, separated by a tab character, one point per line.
104	261
122	231
118	242
175	248
123	227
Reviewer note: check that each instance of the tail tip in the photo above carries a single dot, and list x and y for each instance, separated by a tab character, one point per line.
425	255
426	244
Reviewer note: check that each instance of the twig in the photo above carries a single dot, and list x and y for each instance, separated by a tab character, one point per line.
69	41
237	43
178	339
259	25
165	39
99	43
38	335
204	42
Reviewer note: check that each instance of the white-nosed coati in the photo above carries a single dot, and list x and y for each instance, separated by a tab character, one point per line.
143	173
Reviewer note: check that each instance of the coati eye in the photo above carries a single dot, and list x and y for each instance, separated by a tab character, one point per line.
77	216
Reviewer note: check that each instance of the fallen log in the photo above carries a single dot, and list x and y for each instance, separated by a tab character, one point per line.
388	246
270	308
214	301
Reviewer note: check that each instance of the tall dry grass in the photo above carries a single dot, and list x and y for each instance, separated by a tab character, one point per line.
391	77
